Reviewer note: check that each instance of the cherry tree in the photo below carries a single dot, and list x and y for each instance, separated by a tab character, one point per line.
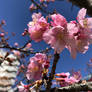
38	75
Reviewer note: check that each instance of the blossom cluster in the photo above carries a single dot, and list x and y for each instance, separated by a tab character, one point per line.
75	35
65	79
37	65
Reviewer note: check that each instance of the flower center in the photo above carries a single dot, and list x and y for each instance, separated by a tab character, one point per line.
85	23
79	43
36	68
60	36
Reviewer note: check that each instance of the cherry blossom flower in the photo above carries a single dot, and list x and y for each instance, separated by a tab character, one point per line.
36	66
16	44
32	7
77	75
2	34
62	78
72	30
56	38
65	79
58	20
81	32
29	45
71	80
84	37
37	27
59	39
60	36
63	75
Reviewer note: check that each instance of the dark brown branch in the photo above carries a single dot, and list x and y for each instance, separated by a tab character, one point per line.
51	76
83	4
73	88
25	51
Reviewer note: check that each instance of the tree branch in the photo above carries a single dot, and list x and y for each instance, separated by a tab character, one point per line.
39	7
83	3
26	51
51	76
77	87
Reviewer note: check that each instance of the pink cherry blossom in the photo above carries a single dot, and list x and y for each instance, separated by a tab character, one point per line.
36	66
58	20
56	38
81	32
62	78
63	75
81	14
84	22
37	27
29	45
84	37
71	80
59	39
77	75
32	7
2	34
65	79
34	70
36	16
61	35
73	30
16	44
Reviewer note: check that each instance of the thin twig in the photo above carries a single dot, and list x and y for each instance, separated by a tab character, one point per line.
39	7
25	51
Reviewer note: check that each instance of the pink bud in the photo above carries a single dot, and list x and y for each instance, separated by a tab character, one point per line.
31	6
16	44
2	35
25	30
16	53
29	45
23	34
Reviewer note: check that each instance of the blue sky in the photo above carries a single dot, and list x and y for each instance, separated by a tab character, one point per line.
16	14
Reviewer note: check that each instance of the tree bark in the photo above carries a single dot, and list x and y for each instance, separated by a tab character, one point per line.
83	4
